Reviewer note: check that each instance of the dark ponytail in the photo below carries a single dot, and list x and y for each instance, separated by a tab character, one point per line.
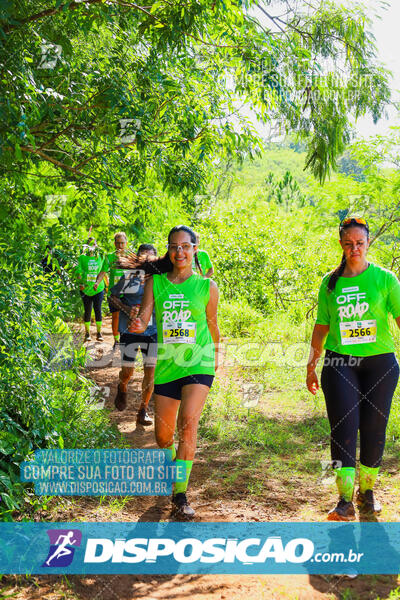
197	263
163	264
150	267
157	267
338	272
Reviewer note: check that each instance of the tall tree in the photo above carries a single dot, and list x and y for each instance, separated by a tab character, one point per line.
104	90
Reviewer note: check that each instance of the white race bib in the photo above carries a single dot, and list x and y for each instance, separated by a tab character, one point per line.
358	332
179	333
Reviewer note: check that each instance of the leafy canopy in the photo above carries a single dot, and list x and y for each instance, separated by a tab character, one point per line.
106	90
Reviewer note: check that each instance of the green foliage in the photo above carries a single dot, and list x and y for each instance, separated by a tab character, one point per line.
265	256
105	93
238	319
285	192
350	167
45	401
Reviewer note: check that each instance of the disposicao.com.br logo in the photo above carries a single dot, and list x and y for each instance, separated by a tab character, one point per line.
248	551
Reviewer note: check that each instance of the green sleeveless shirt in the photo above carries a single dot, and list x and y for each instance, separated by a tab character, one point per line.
185	346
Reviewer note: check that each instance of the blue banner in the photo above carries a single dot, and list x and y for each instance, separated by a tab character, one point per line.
223	548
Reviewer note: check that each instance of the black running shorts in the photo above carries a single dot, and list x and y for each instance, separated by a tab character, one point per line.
173	389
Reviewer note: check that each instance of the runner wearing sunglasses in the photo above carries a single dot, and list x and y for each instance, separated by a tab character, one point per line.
360	370
187	355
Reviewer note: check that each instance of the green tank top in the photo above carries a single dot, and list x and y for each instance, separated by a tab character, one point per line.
88	268
185	346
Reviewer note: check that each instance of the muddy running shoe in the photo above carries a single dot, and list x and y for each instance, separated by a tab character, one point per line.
143	418
87	337
343	511
367	503
181	506
120	399
99	337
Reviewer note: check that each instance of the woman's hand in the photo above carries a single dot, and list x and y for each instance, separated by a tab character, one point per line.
136	325
134	312
96	285
312	382
81	287
216	357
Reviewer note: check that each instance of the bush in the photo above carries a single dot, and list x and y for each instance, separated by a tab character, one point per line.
45	400
238	319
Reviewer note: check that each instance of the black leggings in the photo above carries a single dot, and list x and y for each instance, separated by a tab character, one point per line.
358	394
88	302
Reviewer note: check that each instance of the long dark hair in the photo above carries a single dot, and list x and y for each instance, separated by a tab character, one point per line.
338	272
164	264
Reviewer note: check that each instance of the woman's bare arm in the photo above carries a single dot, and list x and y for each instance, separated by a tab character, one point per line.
212	320
141	322
317	346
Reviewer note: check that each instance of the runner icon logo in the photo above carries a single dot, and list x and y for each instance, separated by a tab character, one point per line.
61	552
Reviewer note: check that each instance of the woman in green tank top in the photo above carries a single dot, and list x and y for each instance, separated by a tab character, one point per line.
89	266
187	355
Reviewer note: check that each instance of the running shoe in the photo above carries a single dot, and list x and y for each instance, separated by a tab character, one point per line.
367	503
120	399
87	337
143	418
99	337
181	506
343	511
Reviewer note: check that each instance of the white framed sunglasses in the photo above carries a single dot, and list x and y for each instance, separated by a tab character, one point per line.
185	247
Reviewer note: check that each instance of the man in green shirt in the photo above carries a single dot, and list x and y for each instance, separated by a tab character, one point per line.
110	266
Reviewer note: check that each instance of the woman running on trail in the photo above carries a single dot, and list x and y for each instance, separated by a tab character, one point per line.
111	266
126	295
187	355
89	266
360	370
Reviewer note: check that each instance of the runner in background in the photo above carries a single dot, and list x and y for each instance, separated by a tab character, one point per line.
89	266
111	267
47	262
187	354
360	370
126	296
207	270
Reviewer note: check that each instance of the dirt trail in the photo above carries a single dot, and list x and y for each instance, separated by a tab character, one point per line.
209	507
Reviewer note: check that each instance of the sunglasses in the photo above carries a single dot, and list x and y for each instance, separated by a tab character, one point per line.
353	221
185	247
